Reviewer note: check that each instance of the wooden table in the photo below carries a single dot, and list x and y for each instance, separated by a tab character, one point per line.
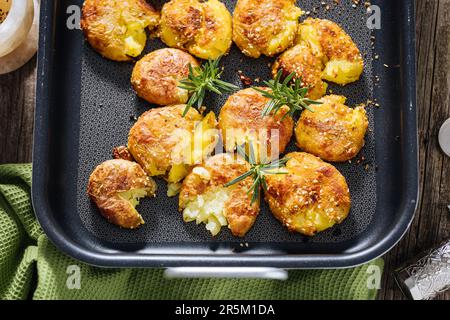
432	222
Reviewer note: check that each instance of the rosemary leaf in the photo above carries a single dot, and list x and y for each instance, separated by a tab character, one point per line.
257	172
288	92
239	179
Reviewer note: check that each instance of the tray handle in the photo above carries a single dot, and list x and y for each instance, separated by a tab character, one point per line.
226	272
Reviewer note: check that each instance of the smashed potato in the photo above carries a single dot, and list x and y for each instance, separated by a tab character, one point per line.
341	57
116	186
201	27
241	122
307	67
265	27
156	76
311	198
116	29
204	199
167	144
333	132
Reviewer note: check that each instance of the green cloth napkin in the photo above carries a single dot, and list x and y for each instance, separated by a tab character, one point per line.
30	266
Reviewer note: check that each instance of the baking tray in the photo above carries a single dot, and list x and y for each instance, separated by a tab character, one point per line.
85	106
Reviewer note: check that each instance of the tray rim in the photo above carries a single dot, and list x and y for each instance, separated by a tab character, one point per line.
303	261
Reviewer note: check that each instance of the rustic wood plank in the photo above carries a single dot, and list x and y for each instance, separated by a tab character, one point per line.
431	224
17	94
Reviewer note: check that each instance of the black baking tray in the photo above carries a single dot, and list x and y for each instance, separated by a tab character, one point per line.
85	106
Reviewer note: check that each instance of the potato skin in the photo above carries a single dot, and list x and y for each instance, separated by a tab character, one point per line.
311	198
111	178
156	76
203	28
122	152
307	67
265	27
158	139
334	132
106	24
242	115
239	211
340	55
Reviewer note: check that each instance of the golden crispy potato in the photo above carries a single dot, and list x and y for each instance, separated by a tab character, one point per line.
156	76
307	67
204	199
333	132
341	57
311	198
167	144
116	28
241	122
116	186
265	27
201	27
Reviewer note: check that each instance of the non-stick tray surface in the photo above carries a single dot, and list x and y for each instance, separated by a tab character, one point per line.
86	106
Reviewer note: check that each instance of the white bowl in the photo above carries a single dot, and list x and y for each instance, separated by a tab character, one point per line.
444	137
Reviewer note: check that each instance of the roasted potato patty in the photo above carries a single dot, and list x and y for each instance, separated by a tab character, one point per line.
307	67
116	29
201	27
341	57
204	199
312	197
116	186
166	144
241	122
265	27
156	76
333	132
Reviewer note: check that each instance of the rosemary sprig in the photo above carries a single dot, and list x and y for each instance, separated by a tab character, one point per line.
257	172
203	79
285	93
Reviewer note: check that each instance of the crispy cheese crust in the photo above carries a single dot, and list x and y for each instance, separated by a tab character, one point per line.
311	198
201	27
241	121
223	168
156	76
265	27
116	28
307	67
342	59
333	132
109	180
